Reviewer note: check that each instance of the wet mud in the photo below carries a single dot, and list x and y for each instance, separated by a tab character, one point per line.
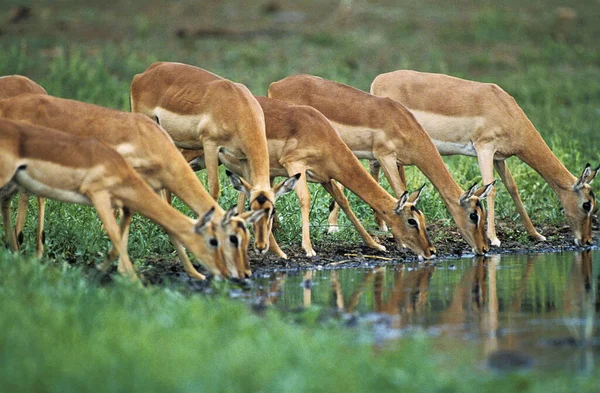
338	255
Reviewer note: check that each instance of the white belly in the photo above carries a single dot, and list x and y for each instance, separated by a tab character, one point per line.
186	130
40	188
358	139
451	134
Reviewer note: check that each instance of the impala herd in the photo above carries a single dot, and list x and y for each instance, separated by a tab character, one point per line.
308	129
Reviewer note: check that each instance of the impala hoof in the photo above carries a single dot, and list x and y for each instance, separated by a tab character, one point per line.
540	238
311	253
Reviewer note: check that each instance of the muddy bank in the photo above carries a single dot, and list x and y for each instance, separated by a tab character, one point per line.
337	255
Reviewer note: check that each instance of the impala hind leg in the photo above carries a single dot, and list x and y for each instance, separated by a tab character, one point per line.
126	217
511	186
40	237
485	158
341	199
9	233
334	213
102	203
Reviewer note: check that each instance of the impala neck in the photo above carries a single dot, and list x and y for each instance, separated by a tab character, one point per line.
538	155
150	205
365	187
188	188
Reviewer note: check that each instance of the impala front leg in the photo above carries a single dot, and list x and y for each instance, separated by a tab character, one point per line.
102	203
304	199
345	205
211	160
334	212
126	217
485	157
374	167
511	186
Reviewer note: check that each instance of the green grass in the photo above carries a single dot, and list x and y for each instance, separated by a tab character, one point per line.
61	331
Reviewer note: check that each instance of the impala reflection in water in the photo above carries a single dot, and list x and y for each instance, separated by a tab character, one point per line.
536	310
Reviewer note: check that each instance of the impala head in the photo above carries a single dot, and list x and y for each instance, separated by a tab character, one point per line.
408	225
580	205
235	238
208	245
261	199
472	217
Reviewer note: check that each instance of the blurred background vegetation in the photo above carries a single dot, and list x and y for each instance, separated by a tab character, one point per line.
545	54
59	332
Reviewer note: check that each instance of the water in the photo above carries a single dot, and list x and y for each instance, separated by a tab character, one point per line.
536	310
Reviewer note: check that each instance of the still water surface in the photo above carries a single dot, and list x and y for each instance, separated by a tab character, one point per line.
535	310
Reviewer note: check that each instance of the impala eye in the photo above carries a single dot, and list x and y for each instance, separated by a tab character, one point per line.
473	216
233	239
587	206
412	222
214	242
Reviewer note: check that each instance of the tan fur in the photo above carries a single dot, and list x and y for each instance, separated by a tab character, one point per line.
146	147
12	86
382	129
201	110
503	130
301	140
63	166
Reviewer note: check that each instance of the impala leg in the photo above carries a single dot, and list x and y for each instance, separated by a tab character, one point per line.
334	212
274	247
485	158
21	216
511	186
390	169
211	160
345	205
185	260
241	204
102	203
181	252
126	217
304	199
402	174
9	233
40	235
374	167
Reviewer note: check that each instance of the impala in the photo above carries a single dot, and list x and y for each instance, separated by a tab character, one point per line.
482	120
202	111
74	169
382	129
150	151
11	86
301	140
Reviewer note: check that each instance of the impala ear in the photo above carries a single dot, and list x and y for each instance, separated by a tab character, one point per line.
414	197
253	216
239	184
464	198
485	190
287	185
581	180
591	177
401	203
229	215
204	220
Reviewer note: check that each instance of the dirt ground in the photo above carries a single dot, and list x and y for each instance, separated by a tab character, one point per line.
337	255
